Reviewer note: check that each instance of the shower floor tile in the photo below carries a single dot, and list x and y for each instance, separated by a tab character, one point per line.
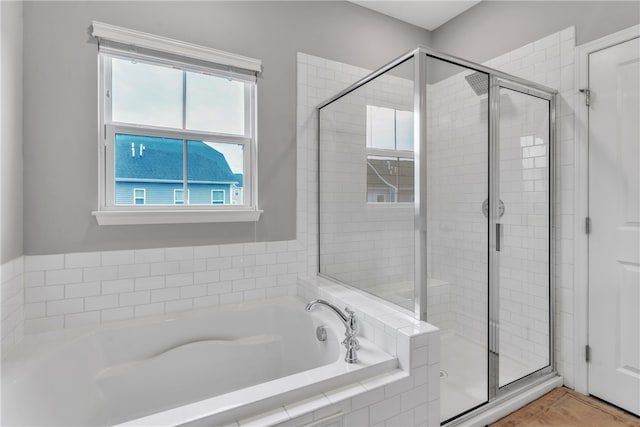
464	374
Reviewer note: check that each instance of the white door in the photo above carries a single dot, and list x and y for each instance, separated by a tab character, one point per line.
614	209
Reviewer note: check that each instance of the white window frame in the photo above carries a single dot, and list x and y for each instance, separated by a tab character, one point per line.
224	195
111	214
185	196
386	152
144	196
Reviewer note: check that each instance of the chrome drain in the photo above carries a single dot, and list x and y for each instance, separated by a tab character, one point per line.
443	374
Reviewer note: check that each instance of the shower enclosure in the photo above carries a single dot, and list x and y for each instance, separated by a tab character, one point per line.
435	193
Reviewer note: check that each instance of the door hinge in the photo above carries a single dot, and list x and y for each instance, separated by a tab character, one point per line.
587	353
587	99
587	225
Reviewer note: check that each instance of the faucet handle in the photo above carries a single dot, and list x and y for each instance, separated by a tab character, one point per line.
352	322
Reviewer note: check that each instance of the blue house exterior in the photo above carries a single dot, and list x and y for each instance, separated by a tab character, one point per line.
149	170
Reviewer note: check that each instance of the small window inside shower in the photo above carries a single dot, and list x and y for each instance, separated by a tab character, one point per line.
390	155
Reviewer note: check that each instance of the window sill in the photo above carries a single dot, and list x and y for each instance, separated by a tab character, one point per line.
129	217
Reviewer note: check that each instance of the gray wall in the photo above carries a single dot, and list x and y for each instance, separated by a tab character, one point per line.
60	104
492	28
11	133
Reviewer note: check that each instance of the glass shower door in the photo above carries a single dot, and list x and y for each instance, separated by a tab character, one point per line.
458	230
522	241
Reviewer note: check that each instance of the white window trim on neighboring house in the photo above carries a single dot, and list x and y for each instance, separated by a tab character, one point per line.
224	195
144	196
122	43
175	191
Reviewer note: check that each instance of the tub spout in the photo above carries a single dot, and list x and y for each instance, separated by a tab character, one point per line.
351	328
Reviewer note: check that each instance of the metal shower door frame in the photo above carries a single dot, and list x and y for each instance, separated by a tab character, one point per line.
497	80
495	85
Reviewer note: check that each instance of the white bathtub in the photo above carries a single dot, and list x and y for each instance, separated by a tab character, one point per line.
213	366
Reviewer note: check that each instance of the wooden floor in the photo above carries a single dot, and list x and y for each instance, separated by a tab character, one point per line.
563	407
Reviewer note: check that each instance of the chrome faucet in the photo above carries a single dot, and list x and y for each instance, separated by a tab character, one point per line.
349	320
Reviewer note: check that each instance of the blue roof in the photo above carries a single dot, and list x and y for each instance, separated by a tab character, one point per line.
162	160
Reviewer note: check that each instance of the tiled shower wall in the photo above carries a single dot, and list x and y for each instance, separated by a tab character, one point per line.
368	245
550	61
12	298
457	179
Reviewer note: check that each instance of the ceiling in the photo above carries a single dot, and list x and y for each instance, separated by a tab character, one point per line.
422	13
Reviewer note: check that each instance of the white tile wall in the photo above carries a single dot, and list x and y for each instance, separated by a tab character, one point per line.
366	245
12	303
66	290
550	61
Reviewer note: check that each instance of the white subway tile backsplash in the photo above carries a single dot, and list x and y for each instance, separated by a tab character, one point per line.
113	314
193	291
81	319
232	274
44	262
100	273
219	288
34	310
43	324
117	286
231	298
132	271
101	302
34	278
183	279
163	268
149	309
118	257
178	305
179	254
135	298
142	256
85	289
207	301
44	293
83	259
165	294
243	285
231	250
66	306
143	283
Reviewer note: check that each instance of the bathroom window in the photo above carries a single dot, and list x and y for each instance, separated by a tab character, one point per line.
182	131
390	156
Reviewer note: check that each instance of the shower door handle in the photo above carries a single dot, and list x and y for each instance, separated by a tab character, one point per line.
498	236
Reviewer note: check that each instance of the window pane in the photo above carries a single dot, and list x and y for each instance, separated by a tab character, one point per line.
147	163
146	94
380	127
215	104
382	179
217	197
138	196
178	197
215	166
404	130
405	181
